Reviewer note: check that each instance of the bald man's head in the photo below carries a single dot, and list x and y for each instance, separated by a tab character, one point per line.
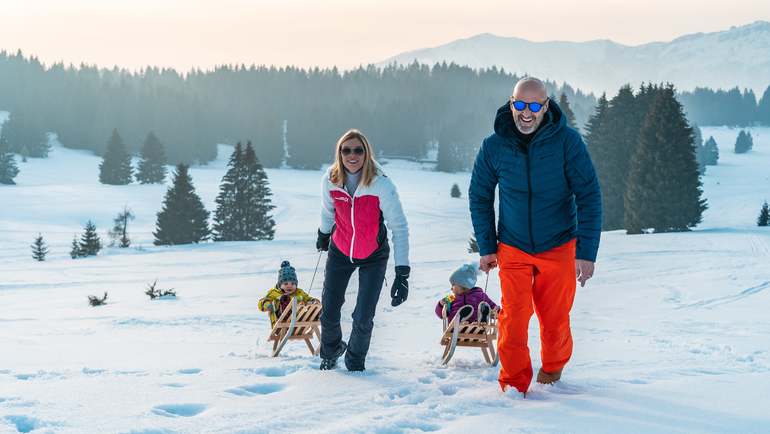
529	90
530	84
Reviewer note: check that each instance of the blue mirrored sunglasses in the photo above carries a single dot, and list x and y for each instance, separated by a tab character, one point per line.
534	107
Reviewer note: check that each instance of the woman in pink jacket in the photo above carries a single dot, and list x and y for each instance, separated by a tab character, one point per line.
358	200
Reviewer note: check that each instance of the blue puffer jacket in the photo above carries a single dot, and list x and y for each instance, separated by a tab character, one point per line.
548	195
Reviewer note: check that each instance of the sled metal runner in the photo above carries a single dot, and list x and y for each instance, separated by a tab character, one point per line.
459	333
299	322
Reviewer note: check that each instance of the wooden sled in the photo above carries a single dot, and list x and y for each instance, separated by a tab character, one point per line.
470	334
297	323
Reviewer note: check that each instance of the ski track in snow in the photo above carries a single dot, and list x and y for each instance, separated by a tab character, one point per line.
671	335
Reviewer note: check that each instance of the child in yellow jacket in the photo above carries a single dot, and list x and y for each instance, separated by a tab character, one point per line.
279	298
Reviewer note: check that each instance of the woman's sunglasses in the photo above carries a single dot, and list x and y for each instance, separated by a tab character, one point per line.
357	150
534	107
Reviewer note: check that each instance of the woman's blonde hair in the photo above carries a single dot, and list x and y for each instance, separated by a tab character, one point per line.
338	176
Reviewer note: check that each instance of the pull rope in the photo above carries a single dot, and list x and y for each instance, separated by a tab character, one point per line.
316	271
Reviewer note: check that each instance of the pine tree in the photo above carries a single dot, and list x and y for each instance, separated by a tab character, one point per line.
605	152
183	218
115	168
119	232
75	251
41	148
448	158
749	140
25	134
624	119
664	188
567	110
228	216
763	108
455	192
473	245
764	216
700	150
744	142
90	244
152	166
39	249
258	223
711	152
8	169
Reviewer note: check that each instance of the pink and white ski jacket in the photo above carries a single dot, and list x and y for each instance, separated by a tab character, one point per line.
359	218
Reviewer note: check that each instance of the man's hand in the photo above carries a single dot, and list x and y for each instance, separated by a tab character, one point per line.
488	262
584	270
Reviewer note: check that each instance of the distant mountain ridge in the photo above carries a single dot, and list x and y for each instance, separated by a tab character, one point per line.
739	56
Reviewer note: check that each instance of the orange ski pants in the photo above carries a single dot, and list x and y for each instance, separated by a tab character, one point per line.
543	283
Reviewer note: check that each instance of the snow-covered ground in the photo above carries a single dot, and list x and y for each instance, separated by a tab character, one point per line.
672	335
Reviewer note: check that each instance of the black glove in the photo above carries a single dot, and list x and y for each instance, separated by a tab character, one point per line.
322	243
400	289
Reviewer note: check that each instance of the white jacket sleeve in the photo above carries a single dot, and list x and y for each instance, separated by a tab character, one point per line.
327	206
393	213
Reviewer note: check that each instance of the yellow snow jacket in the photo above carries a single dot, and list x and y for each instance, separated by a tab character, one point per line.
273	298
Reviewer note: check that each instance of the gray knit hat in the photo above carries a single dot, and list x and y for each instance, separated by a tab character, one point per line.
464	276
287	273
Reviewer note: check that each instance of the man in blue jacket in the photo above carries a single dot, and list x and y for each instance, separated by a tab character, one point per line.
548	230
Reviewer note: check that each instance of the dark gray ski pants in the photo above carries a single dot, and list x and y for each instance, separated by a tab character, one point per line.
371	273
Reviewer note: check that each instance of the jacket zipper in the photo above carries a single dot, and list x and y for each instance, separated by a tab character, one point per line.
529	199
352	224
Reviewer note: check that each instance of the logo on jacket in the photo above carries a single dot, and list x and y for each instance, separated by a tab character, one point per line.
342	198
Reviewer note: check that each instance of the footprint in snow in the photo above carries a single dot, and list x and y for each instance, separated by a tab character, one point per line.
25	423
448	389
256	389
151	431
274	371
179	410
190	371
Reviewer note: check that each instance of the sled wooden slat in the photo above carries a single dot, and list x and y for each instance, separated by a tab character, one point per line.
307	318
472	335
306	327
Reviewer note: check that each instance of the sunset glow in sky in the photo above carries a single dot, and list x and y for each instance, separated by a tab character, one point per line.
346	33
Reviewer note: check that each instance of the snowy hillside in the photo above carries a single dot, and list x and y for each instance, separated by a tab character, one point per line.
671	336
738	56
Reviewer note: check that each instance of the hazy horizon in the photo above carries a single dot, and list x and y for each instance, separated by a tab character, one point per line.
342	33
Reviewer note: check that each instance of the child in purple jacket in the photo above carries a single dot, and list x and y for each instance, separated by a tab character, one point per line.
466	298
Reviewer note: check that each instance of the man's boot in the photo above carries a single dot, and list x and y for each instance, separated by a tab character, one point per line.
548	377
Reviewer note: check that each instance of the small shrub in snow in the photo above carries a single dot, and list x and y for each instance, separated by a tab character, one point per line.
39	249
473	246
75	250
119	232
154	293
89	244
455	191
96	301
764	216
8	168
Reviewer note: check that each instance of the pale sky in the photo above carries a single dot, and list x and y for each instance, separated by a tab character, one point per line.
346	33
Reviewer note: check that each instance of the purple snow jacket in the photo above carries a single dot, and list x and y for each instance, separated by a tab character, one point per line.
473	297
